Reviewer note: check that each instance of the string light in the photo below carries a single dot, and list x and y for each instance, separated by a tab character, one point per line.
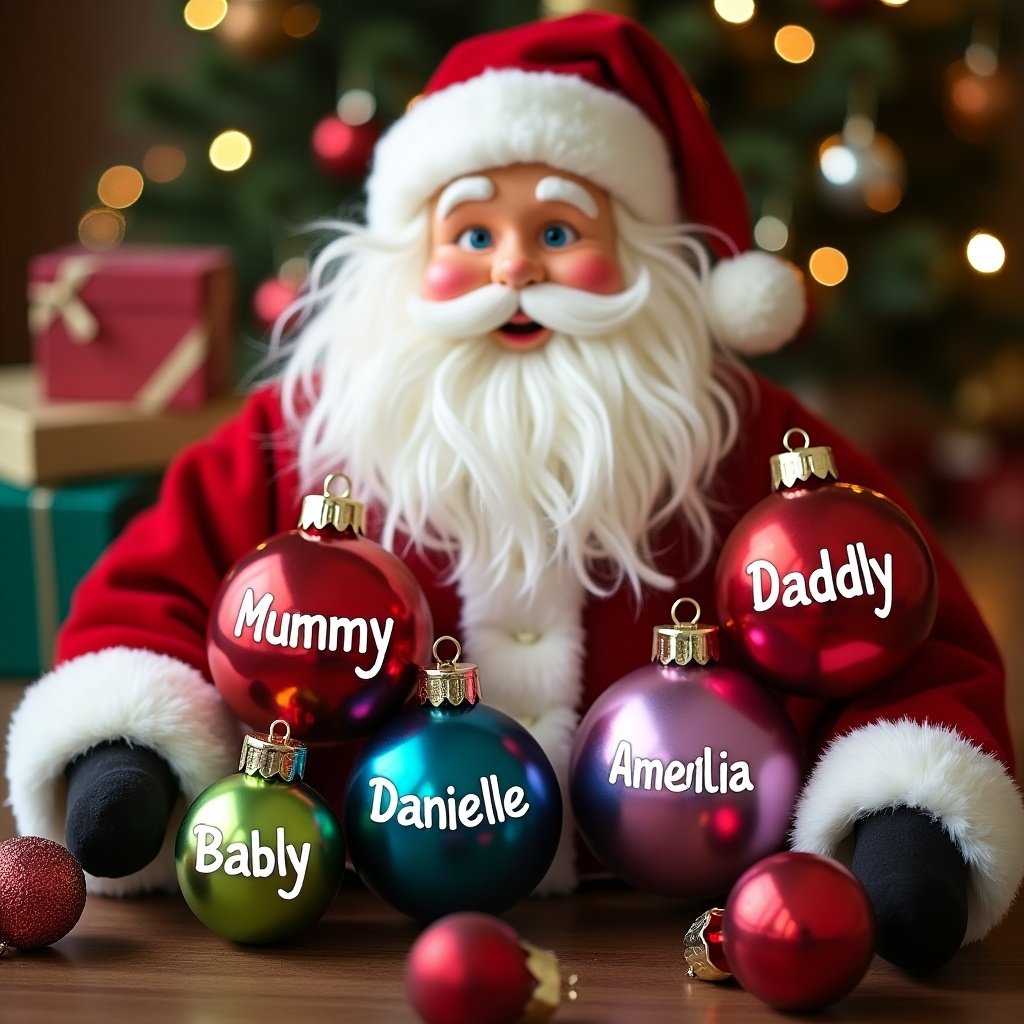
301	20
119	186
230	150
828	266
163	163
794	44
985	253
101	228
202	15
735	12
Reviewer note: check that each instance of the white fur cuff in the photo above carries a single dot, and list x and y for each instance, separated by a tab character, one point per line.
905	763
119	693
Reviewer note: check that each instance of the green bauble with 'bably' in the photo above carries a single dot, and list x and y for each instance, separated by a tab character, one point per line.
259	854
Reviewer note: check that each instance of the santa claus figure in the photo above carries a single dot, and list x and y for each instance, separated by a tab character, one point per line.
526	361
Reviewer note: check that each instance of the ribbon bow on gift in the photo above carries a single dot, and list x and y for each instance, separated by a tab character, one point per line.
59	298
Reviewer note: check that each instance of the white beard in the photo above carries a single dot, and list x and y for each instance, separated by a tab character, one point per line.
517	464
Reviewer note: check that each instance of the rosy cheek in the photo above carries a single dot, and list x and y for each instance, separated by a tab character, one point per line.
592	272
448	279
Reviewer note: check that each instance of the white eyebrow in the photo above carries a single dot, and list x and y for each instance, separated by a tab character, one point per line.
553	189
463	190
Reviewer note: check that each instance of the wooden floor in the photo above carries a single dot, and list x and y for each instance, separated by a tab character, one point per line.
150	960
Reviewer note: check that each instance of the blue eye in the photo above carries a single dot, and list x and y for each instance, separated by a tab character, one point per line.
556	236
475	239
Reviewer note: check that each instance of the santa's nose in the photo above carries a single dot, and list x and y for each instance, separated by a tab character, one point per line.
515	266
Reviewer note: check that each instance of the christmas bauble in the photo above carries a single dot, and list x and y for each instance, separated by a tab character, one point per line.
319	626
704	950
271	298
862	170
42	892
799	931
453	805
343	150
474	969
683	773
827	588
259	855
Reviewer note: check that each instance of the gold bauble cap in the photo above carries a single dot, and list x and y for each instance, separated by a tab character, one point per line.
801	463
547	993
271	756
449	681
683	642
333	509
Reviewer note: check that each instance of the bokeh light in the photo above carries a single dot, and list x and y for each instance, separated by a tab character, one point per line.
985	253
230	150
771	233
794	44
894	3
163	162
301	20
101	228
119	186
356	106
202	15
735	12
828	266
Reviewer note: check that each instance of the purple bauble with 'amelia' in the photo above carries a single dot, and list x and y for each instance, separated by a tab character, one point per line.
684	773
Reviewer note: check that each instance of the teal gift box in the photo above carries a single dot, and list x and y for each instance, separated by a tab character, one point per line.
51	538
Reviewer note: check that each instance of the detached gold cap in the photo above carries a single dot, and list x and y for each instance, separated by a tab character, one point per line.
683	642
450	681
801	463
547	994
330	509
273	757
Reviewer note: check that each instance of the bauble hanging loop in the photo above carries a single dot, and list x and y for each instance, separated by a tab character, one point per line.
683	642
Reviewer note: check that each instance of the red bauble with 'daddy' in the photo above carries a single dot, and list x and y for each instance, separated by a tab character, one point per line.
319	627
827	588
474	969
798	931
42	892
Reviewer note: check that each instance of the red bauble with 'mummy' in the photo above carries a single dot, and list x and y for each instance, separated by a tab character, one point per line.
319	627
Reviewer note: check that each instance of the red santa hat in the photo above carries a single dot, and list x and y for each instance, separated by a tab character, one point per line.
596	95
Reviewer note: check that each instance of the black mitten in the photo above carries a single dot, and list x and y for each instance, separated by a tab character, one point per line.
119	800
917	881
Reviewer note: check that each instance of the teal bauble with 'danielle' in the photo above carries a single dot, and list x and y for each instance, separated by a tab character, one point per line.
453	805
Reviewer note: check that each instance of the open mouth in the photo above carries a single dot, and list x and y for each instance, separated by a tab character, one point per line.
520	329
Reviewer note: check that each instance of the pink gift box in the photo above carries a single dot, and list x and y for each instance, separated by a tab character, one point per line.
150	325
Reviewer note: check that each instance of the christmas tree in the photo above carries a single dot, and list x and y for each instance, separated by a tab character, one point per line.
875	139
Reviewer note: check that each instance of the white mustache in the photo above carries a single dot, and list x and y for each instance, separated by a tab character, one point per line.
554	306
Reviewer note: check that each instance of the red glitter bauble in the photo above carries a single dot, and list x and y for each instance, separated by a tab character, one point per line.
42	892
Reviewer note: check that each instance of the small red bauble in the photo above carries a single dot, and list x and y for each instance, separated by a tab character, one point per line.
343	150
271	298
474	969
825	587
319	627
799	931
42	892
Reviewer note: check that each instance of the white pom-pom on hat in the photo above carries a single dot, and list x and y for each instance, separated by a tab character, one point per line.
755	302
